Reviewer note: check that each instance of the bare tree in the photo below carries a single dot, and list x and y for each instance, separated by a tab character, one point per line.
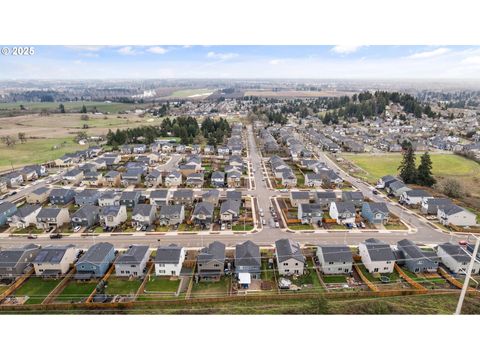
22	137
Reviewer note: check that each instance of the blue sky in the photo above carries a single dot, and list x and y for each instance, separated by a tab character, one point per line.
340	61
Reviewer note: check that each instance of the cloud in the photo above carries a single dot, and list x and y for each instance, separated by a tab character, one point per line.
157	50
221	56
429	54
276	61
345	49
91	48
471	60
127	50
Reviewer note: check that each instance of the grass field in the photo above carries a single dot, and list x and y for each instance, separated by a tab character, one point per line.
334	279
37	289
211	288
377	166
76	291
119	286
73	106
191	93
36	151
161	284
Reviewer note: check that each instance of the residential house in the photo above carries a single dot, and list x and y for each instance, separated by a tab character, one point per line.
218	179
415	259
169	260
456	215
325	198
87	197
195	180
203	214
375	213
335	259
24	217
313	180
299	197
229	211
234	195
38	196
397	188
74	176
95	262
113	216
310	213
54	260
13	179
14	261
211	196
414	197
343	212
133	262
248	259
171	215
377	256
234	179
356	197
61	196
113	178
457	259
290	259
173	179
87	216
211	261
430	206
133	176
52	218
153	178
144	214
7	209
130	199
109	198
159	197
385	181
182	196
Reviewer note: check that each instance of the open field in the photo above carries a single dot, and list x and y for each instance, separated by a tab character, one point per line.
295	93
76	291
37	289
192	93
73	106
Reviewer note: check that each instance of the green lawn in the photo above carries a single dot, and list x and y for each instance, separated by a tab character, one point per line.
334	279
120	286
76	291
71	106
37	289
267	274
211	288
309	278
387	164
301	227
36	151
162	284
28	230
240	227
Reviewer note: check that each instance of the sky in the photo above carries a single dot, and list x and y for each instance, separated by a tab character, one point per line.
316	62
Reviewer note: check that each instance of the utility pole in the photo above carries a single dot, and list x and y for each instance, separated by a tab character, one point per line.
458	311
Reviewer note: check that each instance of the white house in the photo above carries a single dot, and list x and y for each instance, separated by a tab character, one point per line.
54	260
456	215
456	258
414	197
342	211
377	256
335	259
112	216
169	260
290	260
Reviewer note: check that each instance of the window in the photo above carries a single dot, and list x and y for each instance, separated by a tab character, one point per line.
285	264
330	263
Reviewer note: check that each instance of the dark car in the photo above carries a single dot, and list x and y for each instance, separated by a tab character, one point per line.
55	236
375	192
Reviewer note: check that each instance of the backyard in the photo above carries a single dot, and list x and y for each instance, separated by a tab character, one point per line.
211	288
37	289
122	286
76	291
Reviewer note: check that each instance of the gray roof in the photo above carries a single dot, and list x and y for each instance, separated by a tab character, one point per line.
110	210
230	205
247	254
417	193
305	195
49	212
61	192
378	207
168	254
130	195
159	194
52	254
26	210
218	175
41	190
212	193
326	195
410	249
183	193
134	255
167	210
214	251
143	209
352	195
378	250
287	249
397	185
97	253
203	207
10	257
337	253
456	251
343	206
234	195
5	206
453	209
84	211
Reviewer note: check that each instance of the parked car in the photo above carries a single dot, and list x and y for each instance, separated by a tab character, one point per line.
277	225
77	228
375	192
56	236
264	222
32	236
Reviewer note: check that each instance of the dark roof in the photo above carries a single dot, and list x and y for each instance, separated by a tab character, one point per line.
456	252
343	206
247	254
5	206
97	253
378	207
214	251
134	255
61	192
234	195
170	210
26	210
183	193
230	205
453	209
52	254
300	195
84	211
378	250
203	207
130	195
337	253
287	249
159	194
168	254
352	195
41	190
143	209
49	212
417	193
326	195
10	257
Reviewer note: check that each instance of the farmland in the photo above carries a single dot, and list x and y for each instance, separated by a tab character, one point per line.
191	93
70	106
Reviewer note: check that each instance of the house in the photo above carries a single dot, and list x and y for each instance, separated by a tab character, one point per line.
171	215
133	262
248	259
38	196
234	195
54	260
329	177
113	216
310	213
133	176
28	174
173	179
52	218
397	188
61	196
203	214
186	169
385	181
299	197
325	198
343	212
375	213
414	197
169	260
95	262
288	178
211	261
218	179
40	170
13	179
234	179
130	199
335	259
223	151
24	216
430	206
87	197
230	210
113	178
456	215
356	197
14	261
144	214
73	176
377	256
313	180
87	216
195	180
457	259
211	196
109	198
159	197
153	178
182	196
290	259
7	209
92	178
415	259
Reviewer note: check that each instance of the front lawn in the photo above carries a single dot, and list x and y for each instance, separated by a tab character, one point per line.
301	227
76	291
241	227
37	289
120	286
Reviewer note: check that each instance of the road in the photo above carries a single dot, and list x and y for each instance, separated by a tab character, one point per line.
266	235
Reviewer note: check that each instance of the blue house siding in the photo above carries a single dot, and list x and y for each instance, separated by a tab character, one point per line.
370	216
6	214
98	270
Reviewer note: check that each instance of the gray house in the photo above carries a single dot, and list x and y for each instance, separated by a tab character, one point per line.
182	196
130	199
171	215
86	216
61	196
87	197
95	262
335	259
14	261
203	214
218	179
356	197
133	262
159	197
211	261
144	214
248	259
415	259
211	196
290	259
325	198
7	209
310	213
375	213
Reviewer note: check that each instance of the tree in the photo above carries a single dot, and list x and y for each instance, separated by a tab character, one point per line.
84	117
408	171
61	107
22	137
424	171
452	188
83	110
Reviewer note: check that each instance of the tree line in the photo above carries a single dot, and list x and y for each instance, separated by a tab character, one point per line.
410	173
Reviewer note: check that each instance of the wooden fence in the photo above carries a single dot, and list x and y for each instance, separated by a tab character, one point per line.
409	280
19	282
370	285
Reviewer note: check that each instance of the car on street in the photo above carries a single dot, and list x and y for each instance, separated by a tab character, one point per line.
77	228
264	222
32	237
56	236
375	192
277	224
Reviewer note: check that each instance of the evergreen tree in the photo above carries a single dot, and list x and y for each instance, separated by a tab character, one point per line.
83	110
424	171
408	171
61	107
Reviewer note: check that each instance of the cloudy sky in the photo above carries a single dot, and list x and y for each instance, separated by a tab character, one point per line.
341	61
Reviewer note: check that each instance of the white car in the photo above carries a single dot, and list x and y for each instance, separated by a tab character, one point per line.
264	222
77	228
277	225
222	227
